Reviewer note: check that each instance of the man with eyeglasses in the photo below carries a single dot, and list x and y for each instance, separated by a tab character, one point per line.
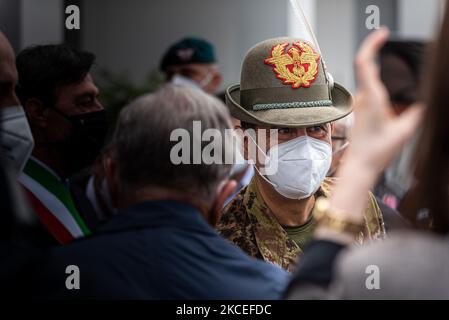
340	142
284	88
191	62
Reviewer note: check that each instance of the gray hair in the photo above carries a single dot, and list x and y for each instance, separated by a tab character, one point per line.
143	145
344	125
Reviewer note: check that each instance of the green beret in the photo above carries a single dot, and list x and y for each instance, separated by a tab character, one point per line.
188	50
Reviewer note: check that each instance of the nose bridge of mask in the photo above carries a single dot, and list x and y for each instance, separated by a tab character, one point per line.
301	148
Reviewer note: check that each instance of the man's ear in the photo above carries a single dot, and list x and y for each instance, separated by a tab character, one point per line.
217	79
36	113
227	190
111	172
332	128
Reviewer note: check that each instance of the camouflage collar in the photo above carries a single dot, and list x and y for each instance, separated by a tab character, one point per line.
272	240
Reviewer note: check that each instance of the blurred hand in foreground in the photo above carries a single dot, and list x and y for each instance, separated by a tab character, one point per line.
378	134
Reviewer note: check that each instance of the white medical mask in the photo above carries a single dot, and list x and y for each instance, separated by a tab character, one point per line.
179	80
15	136
302	164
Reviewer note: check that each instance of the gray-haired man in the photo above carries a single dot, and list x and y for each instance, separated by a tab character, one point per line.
161	245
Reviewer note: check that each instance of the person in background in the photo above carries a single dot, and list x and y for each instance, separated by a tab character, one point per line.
96	189
19	250
407	265
401	66
340	142
192	62
17	141
162	244
242	171
68	125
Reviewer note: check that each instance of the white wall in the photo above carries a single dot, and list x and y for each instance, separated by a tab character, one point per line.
133	35
419	19
41	22
337	35
295	25
10	21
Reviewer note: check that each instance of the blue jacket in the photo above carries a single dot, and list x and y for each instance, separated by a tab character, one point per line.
159	250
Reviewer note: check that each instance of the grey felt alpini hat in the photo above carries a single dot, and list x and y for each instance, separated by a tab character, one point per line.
283	83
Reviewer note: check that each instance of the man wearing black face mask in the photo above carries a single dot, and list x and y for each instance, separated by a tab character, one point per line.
68	125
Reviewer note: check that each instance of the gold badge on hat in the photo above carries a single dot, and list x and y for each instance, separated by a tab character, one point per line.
297	67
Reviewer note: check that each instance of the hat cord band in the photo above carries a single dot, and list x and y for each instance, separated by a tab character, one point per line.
307	104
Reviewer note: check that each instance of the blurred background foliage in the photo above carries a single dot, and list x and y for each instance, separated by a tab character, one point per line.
117	90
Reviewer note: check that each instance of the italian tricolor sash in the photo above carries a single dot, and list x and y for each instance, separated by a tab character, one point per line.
53	203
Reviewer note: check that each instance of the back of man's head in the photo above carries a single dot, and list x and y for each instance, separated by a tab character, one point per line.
43	69
149	129
188	51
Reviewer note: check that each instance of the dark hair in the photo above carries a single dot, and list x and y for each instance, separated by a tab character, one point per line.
431	192
145	140
411	52
43	69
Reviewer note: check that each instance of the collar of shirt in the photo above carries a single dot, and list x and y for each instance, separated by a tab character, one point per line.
272	240
46	167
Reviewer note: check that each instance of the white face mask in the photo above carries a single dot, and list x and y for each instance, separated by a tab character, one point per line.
182	81
15	136
302	164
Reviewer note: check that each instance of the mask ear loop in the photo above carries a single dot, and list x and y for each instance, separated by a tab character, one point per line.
343	147
255	165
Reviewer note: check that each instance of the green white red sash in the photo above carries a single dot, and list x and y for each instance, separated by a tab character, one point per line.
52	202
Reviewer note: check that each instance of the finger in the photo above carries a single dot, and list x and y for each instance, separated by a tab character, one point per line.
366	67
410	120
405	125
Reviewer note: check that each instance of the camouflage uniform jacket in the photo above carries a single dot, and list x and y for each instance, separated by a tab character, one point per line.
248	223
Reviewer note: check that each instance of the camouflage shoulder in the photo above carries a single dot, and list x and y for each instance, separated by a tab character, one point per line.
327	187
233	218
374	221
236	226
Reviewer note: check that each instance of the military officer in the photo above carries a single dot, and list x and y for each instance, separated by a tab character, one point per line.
285	87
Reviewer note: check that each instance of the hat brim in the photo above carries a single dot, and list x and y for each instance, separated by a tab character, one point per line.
342	103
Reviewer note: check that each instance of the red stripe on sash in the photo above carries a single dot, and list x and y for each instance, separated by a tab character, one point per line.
52	224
